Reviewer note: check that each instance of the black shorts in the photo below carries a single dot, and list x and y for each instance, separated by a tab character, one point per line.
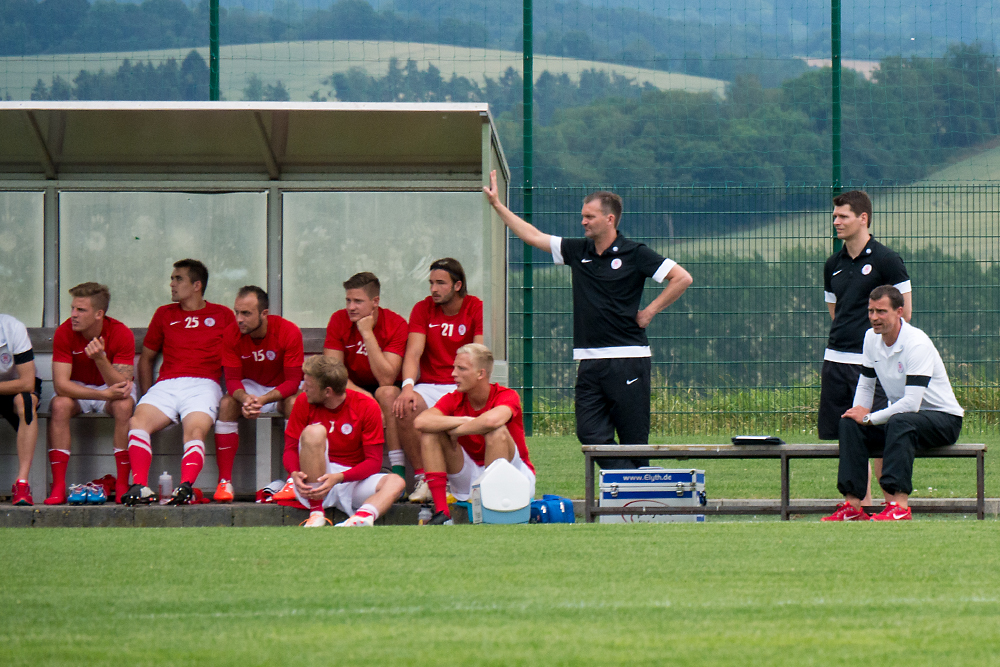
837	387
7	405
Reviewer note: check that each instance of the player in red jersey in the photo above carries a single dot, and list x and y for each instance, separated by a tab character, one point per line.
333	448
440	324
93	358
469	429
262	357
189	334
370	341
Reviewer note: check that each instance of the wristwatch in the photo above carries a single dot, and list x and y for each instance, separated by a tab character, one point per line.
866	419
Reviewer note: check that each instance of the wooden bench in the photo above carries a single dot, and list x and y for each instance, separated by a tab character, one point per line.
593	453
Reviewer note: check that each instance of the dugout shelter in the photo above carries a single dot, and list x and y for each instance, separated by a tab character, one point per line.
293	197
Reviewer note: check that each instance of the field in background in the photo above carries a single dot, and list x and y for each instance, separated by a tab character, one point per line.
302	66
767	593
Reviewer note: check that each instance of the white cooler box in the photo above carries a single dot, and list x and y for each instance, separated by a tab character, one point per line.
650	488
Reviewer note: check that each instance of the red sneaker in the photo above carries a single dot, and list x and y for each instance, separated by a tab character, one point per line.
894	512
223	492
846	512
287	491
21	494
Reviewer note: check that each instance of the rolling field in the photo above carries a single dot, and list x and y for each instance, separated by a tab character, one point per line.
301	66
768	593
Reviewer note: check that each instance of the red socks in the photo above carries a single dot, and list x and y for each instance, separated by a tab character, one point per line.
193	461
140	456
437	482
227	441
123	469
58	460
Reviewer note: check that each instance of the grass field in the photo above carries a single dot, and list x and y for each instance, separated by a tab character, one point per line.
767	593
301	66
559	464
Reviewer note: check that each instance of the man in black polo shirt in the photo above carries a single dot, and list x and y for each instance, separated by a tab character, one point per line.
861	265
609	329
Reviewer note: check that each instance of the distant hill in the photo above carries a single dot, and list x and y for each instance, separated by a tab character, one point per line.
301	66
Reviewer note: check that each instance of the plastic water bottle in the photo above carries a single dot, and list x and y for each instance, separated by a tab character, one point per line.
425	515
166	486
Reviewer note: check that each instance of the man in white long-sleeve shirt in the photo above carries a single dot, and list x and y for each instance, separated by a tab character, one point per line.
922	412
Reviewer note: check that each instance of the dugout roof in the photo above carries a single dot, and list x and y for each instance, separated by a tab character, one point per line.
274	140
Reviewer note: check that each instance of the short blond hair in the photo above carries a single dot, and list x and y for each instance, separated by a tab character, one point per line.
99	295
481	356
327	371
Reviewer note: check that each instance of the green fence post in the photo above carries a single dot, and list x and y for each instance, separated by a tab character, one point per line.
835	107
213	50
528	86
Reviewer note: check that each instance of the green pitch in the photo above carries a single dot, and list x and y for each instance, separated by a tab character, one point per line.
772	593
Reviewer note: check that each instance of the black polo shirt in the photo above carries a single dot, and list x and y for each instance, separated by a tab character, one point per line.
607	290
847	283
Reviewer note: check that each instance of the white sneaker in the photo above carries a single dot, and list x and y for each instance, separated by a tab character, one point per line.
356	521
316	520
421	494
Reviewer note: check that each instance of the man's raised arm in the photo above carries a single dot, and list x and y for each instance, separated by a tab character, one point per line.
521	228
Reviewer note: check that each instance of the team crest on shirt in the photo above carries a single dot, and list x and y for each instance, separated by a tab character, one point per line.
209	321
270	355
616	263
461	329
5	358
866	269
347	429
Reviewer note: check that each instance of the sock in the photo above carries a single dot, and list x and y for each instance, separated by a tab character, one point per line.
140	456
227	441
367	510
58	460
315	505
418	473
437	482
194	459
397	459
123	469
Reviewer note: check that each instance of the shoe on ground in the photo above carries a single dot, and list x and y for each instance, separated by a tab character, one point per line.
287	491
440	519
21	494
894	512
182	495
96	494
316	520
57	497
845	512
356	521
78	494
139	495
421	494
223	492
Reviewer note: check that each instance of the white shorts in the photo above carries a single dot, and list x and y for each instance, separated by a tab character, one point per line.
461	482
432	393
89	405
251	387
182	396
346	496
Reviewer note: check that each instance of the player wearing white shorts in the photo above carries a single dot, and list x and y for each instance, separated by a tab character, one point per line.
262	358
189	333
470	428
333	449
93	358
440	324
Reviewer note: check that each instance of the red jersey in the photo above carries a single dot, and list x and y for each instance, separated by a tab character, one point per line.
456	404
191	340
342	334
68	348
444	335
273	361
354	433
